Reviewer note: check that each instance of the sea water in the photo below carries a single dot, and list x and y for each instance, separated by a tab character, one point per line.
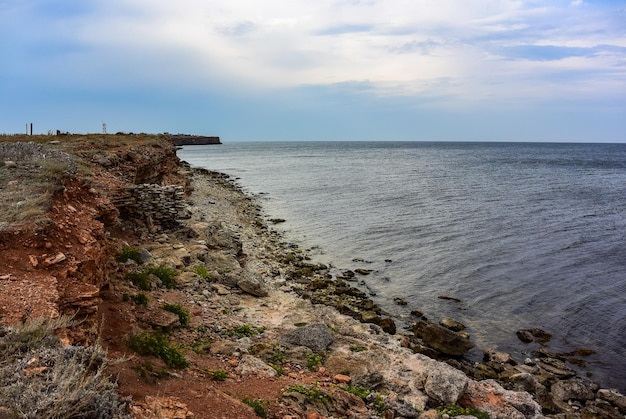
523	234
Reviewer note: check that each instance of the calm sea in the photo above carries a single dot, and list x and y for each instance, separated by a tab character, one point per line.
525	235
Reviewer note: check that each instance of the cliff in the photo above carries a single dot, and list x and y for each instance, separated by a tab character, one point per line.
184	139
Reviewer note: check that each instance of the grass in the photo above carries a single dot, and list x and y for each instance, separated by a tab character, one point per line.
314	360
130	253
182	312
219	375
258	405
456	410
202	272
313	394
157	344
41	378
141	279
245	330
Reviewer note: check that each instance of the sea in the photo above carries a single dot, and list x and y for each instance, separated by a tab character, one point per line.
514	235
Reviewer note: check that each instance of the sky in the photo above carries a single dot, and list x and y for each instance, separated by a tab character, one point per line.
277	70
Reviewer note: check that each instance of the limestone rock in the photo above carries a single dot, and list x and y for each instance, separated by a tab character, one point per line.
316	336
253	284
613	397
574	389
444	340
445	384
252	365
451	324
492	398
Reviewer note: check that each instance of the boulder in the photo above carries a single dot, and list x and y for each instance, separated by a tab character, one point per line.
445	384
451	324
315	336
613	397
252	365
253	284
443	340
492	398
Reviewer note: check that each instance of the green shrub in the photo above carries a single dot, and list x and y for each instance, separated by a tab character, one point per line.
259	406
157	344
182	312
456	410
201	271
140	279
219	375
358	391
314	360
140	299
245	330
166	274
130	253
313	394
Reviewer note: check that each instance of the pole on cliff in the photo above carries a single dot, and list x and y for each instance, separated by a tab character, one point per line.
31	128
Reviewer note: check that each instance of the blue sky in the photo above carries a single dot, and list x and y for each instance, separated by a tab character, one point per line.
508	70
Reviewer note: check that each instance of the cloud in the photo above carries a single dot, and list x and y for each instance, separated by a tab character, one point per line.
471	50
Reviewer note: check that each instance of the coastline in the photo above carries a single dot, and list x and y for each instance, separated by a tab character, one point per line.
207	312
412	383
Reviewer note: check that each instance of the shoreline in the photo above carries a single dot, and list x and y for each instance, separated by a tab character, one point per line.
498	362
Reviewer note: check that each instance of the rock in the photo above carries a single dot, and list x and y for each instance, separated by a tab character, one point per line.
399	301
315	336
490	397
444	340
225	347
534	335
145	256
53	260
492	355
10	164
451	324
361	271
555	367
601	409
613	397
252	365
161	318
523	382
342	378
574	389
253	284
445	384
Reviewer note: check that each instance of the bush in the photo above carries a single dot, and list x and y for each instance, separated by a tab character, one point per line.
157	344
245	330
130	253
166	274
183	313
259	406
63	382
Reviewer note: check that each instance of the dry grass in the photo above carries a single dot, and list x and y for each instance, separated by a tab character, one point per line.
40	378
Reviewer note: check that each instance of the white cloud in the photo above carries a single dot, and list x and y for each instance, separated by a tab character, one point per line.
400	46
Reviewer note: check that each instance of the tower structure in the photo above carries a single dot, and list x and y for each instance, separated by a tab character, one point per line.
104	128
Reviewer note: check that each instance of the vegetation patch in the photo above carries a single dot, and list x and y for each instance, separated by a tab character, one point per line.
245	330
157	344
182	312
130	253
141	279
140	299
456	410
41	378
314	360
219	375
313	394
358	391
202	272
258	405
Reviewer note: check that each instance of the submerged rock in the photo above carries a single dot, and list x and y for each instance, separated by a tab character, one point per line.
443	340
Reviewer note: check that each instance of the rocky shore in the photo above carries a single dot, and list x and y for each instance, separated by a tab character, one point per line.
208	313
